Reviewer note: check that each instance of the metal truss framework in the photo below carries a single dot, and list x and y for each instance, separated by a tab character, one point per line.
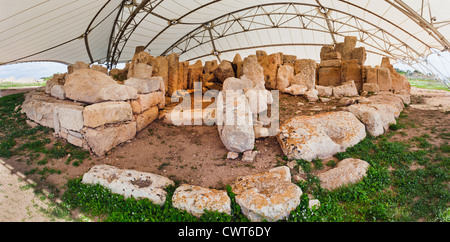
276	15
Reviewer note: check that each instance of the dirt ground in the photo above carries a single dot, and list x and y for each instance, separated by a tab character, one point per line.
196	155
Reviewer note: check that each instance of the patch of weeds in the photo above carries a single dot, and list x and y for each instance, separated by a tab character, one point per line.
396	126
98	201
422	141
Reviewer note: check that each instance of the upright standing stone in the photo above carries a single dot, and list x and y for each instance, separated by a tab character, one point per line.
270	65
173	62
351	71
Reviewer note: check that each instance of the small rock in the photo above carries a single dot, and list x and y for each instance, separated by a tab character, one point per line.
249	156
313	204
232	155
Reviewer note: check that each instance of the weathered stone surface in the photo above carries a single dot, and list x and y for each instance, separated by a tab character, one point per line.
39	107
296	89
384	79
330	76
258	100
79	65
312	95
360	55
99	68
289	58
324	91
249	155
92	87
267	196
351	71
210	66
320	136
161	68
173	64
331	56
237	65
144	86
305	72
348	171
236	84
146	101
371	87
58	92
370	75
103	139
326	50
142	71
57	79
270	65
235	123
346	48
224	71
183	75
129	183
196	199
369	116
106	113
194	73
69	117
330	63
393	102
253	72
347	89
284	77
146	118
399	82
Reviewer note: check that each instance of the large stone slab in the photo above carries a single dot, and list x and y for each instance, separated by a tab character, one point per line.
129	183
347	172
145	86
267	196
320	136
329	76
39	107
235	122
147	101
92	87
107	113
196	199
347	89
103	139
146	118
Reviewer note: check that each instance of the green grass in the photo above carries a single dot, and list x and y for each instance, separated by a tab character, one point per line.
17	138
389	192
429	84
6	85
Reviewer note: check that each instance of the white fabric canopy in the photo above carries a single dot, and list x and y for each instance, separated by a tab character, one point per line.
108	31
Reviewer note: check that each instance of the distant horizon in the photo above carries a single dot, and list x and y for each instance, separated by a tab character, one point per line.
42	69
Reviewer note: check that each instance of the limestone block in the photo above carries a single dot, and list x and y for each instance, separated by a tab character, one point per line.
92	87
348	171
173	64
145	86
347	89
320	136
106	113
351	71
58	92
267	196
224	71
146	118
270	65
129	183
384	79
284	77
330	76
196	199
103	139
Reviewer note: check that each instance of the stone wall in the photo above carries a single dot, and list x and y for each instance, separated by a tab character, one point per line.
91	110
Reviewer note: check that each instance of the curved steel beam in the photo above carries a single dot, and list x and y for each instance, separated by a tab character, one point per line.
200	29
